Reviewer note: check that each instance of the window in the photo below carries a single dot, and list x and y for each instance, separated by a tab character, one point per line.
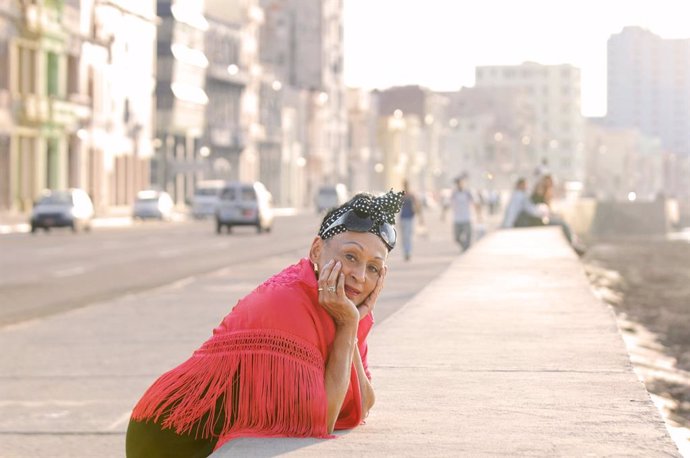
4	56
26	76
53	74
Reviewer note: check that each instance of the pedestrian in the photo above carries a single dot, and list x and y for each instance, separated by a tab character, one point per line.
463	203
521	207
544	215
290	359
409	212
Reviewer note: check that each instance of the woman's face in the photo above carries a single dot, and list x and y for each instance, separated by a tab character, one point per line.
362	255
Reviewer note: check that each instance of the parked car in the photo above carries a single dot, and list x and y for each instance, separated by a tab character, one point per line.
244	204
206	195
63	208
153	204
330	196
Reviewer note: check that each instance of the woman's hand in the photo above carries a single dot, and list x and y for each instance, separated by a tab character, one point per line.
367	306
332	295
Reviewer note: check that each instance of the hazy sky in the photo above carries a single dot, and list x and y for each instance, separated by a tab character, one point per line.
438	43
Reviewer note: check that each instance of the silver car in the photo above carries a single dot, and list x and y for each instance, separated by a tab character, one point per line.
63	208
153	204
244	204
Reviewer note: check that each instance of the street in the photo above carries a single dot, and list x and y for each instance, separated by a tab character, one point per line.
114	309
51	272
48	273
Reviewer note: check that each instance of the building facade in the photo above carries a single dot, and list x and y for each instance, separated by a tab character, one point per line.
75	118
181	97
649	86
553	95
302	47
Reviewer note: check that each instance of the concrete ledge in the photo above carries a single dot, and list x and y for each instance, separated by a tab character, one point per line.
506	353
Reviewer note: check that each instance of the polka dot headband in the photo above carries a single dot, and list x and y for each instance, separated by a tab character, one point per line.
380	209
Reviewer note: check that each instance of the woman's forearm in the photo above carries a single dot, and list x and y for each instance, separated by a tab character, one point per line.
365	387
337	377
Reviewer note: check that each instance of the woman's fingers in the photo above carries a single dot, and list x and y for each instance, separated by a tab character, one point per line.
324	274
332	282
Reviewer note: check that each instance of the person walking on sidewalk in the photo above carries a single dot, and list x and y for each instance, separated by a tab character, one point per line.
463	203
290	359
411	211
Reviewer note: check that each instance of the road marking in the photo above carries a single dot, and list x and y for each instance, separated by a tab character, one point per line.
69	272
169	253
51	402
121	420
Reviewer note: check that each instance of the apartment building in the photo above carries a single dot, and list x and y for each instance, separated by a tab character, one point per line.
301	44
553	95
649	86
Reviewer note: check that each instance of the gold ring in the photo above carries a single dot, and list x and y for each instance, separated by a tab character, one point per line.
320	289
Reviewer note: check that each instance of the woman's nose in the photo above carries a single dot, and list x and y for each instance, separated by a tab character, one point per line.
358	273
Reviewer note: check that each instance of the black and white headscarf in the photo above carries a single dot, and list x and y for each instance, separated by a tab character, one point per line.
380	209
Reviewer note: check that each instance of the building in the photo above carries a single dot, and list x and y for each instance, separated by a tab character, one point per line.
623	164
364	156
233	83
649	86
489	136
181	97
117	76
552	93
9	19
411	132
301	45
77	119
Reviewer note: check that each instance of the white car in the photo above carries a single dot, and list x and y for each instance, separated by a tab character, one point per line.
63	208
153	204
244	204
330	196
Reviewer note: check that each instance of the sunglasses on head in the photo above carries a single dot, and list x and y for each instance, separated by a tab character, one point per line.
357	222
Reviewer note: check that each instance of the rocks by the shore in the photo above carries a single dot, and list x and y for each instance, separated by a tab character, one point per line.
648	284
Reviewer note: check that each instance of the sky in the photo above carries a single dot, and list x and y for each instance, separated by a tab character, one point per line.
438	43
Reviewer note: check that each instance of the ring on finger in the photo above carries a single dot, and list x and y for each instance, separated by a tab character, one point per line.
331	289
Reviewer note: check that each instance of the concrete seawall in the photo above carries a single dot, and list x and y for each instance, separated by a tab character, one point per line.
507	353
611	218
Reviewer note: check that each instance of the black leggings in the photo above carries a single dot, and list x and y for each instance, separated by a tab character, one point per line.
150	440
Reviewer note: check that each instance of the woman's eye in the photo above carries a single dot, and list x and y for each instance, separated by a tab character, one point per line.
373	269
350	257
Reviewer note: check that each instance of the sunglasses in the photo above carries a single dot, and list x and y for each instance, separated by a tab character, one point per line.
356	222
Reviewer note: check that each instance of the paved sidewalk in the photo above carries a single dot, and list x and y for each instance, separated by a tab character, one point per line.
507	353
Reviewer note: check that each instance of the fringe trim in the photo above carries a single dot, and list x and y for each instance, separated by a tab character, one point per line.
256	382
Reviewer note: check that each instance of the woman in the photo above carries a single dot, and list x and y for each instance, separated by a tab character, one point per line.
291	357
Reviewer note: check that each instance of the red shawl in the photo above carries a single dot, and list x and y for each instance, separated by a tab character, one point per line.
266	363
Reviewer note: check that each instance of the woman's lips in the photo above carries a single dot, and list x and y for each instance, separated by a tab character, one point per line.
350	292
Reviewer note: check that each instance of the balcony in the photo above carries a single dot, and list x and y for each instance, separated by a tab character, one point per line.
33	109
229	137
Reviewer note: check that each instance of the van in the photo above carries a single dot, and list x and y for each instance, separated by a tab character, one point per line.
330	196
205	198
244	204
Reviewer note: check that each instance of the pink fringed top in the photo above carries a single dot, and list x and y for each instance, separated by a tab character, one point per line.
261	374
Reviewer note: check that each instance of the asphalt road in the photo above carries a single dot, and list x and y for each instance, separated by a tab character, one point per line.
48	273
